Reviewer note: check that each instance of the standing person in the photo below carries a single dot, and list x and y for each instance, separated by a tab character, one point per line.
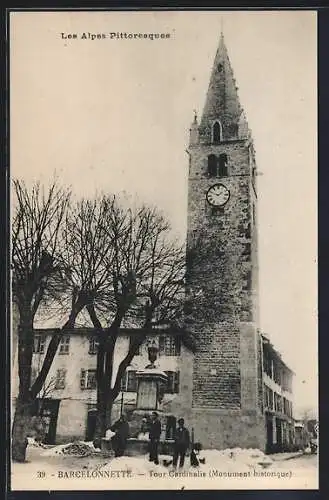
154	435
145	425
182	442
119	440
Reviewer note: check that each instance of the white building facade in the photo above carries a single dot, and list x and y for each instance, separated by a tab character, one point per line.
68	398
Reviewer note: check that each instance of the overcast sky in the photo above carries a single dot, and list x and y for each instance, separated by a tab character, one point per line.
114	114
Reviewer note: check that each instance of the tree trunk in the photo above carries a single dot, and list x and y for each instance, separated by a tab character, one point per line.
100	418
24	402
27	396
103	419
104	406
100	428
104	375
106	395
21	426
108	412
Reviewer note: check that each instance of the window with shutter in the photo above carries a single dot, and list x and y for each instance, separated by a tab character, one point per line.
169	345
83	379
64	346
93	345
172	382
222	165
60	379
88	379
129	381
39	344
212	165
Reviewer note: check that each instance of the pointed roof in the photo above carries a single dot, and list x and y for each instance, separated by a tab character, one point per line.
222	101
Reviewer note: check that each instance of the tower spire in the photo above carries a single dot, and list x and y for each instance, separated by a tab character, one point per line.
222	102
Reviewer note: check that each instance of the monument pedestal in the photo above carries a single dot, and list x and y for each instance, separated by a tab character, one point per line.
150	391
151	383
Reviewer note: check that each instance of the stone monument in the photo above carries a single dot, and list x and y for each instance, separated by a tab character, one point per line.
151	383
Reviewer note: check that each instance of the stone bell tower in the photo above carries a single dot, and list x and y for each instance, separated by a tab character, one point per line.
222	267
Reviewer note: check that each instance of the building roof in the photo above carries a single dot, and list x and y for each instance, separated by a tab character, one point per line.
187	340
275	353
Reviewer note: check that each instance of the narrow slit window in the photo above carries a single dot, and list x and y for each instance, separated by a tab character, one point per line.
222	165
212	166
216	133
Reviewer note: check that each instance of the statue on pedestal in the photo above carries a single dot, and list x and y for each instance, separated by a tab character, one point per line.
150	391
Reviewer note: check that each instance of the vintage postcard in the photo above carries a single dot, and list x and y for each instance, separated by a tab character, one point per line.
164	250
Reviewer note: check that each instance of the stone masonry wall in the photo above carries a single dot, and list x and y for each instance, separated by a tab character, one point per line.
248	368
220	276
216	374
227	429
219	246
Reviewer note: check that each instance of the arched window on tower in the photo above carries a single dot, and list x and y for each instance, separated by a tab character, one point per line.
212	166
216	133
222	165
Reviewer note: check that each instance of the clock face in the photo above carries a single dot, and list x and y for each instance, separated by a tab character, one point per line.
217	195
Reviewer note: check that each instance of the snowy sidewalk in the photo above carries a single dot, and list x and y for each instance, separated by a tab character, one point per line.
286	456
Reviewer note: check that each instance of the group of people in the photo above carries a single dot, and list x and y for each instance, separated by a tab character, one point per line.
181	439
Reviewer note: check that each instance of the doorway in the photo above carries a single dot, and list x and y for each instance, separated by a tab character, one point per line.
91	424
279	434
269	434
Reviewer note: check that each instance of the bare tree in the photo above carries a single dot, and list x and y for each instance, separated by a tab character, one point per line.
95	254
145	287
86	255
49	388
36	275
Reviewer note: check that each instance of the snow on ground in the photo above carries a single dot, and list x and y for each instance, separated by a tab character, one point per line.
223	469
236	459
32	442
77	448
134	465
109	434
